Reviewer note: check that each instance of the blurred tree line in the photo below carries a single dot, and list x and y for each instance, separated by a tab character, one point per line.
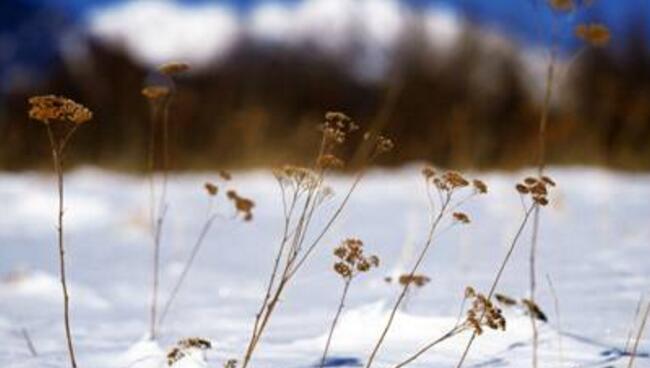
472	107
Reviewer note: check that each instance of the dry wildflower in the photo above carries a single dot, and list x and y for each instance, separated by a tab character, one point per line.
230	363
336	128
505	300
470	292
536	188
299	177
429	172
211	189
479	186
522	189
55	108
461	217
179	351
242	205
351	259
384	144
155	93
548	180
225	175
484	314
418	280
173	67
534	310
562	5
594	34
329	161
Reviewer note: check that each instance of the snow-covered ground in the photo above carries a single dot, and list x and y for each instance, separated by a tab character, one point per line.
593	246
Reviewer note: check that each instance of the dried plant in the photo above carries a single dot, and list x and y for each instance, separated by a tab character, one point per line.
303	191
452	191
61	117
533	193
481	315
350	262
159	97
185	346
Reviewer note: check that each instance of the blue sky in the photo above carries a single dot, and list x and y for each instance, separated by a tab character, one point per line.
29	29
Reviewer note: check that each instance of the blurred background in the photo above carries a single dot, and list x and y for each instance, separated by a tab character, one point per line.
456	82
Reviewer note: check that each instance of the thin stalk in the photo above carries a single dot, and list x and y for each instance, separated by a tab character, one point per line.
451	333
522	226
335	321
541	162
162	211
186	268
639	336
406	287
58	168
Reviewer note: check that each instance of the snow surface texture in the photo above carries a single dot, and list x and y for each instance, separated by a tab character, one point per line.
593	245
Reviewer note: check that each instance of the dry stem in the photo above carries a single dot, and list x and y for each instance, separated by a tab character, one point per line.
57	153
335	321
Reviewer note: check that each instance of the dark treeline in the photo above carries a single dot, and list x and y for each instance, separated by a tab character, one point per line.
472	107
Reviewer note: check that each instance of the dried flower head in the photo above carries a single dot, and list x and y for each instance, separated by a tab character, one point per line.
562	5
594	34
55	108
328	161
173	67
225	175
534	310
484	314
336	128
536	188
211	189
384	144
505	300
428	172
300	178
242	205
418	280
155	93
351	260
230	363
461	217
479	186
195	342
179	351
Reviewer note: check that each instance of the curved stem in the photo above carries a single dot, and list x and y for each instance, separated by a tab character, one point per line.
457	329
406	287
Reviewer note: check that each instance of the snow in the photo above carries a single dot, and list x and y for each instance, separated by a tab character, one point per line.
593	246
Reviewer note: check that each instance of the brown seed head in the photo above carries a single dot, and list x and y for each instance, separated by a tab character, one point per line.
173	67
155	93
211	189
55	108
594	34
562	5
461	217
